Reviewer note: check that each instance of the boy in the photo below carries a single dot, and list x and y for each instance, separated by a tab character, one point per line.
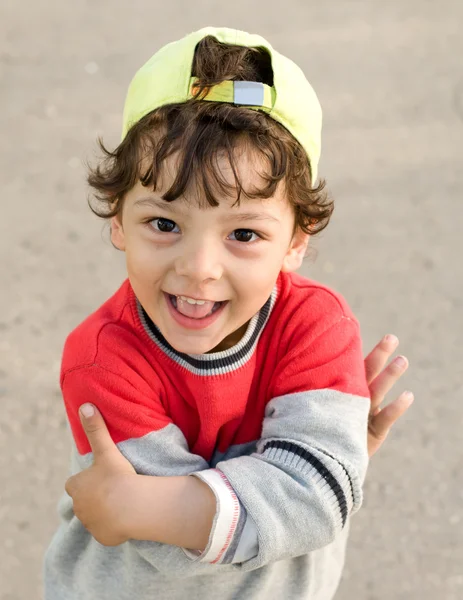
234	388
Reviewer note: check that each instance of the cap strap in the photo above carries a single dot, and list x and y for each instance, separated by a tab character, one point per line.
251	94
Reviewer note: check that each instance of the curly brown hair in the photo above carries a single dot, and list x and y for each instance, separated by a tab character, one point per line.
201	130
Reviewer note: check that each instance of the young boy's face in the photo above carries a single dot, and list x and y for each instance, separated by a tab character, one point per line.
226	257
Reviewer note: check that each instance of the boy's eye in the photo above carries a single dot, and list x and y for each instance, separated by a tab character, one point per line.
244	235
164	225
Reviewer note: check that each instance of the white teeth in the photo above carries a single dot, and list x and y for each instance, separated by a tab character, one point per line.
191	301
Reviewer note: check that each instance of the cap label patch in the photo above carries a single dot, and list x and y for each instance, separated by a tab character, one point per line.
249	93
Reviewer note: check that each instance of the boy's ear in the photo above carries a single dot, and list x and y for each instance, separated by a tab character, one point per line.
117	233
296	252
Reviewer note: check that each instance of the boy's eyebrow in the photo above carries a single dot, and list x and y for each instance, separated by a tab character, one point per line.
248	216
255	217
154	202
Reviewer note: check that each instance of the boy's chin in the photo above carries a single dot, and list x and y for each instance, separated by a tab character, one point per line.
194	347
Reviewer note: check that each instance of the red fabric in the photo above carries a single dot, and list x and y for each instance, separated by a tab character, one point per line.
311	341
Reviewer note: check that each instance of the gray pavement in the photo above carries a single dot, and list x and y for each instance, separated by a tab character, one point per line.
390	80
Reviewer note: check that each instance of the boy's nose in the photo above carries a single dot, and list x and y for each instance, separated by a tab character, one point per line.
199	262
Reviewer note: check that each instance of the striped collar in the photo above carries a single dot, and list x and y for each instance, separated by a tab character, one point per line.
215	363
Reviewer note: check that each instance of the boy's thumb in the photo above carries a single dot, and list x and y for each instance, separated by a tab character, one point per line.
87	410
96	431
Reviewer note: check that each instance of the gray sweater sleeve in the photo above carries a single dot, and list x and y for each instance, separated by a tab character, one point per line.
305	478
295	494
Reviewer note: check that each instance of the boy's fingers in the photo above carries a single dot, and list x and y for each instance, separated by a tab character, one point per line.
382	422
380	386
379	356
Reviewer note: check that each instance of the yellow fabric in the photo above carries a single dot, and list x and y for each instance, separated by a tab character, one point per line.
224	92
166	79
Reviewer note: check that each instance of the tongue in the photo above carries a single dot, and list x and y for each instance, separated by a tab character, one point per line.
194	311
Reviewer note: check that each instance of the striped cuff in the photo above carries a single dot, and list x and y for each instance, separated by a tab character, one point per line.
229	515
332	478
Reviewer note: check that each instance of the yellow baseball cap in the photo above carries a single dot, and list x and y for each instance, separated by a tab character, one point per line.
166	79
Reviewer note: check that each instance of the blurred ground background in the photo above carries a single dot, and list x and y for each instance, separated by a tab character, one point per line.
390	81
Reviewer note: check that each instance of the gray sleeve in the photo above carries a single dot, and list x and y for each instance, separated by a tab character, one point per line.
162	452
305	479
165	453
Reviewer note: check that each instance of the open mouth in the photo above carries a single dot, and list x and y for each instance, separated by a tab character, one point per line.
198	311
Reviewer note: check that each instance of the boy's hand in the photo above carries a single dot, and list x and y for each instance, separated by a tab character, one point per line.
381	379
98	491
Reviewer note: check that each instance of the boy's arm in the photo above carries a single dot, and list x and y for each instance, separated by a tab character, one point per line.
181	510
278	492
298	490
146	436
188	506
305	480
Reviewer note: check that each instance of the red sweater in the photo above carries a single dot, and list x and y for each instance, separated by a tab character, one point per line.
275	425
141	383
